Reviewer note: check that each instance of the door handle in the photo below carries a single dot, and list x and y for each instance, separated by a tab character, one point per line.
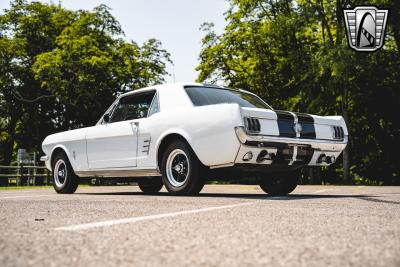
135	126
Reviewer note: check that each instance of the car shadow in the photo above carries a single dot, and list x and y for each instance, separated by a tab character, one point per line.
257	196
299	197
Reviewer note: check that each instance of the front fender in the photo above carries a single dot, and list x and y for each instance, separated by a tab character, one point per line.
52	154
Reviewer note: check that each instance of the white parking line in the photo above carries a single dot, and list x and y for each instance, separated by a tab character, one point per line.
86	226
10	192
27	196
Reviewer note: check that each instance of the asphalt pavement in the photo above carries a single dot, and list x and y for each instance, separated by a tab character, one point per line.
227	225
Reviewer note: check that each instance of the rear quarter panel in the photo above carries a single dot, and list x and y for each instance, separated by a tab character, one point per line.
208	129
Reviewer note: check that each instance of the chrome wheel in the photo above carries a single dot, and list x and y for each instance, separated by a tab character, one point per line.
177	167
60	173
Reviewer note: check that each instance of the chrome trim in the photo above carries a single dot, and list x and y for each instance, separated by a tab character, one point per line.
294	156
241	134
269	138
226	88
146	146
178	168
44	158
112	107
221	165
155	98
119	173
108	111
60	173
295	125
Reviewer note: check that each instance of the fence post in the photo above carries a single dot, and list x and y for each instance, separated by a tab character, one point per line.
47	173
34	169
19	173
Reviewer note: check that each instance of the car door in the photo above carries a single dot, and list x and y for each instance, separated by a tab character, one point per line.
113	143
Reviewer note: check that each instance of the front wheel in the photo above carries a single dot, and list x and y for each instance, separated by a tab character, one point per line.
64	179
182	172
281	185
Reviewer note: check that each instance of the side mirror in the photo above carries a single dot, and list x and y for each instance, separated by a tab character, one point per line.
106	118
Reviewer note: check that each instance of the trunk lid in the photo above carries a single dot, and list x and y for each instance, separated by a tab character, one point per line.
295	125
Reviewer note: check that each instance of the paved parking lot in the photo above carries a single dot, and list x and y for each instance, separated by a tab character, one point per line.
227	225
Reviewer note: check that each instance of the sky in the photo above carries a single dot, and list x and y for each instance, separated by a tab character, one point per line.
174	22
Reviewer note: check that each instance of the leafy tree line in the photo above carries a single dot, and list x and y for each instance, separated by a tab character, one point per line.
61	69
295	55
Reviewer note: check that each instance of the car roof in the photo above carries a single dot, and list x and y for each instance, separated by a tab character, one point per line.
180	85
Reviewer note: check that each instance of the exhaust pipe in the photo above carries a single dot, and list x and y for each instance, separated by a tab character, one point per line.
326	159
264	155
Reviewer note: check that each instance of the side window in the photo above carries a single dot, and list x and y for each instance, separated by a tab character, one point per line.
108	112
155	106
132	107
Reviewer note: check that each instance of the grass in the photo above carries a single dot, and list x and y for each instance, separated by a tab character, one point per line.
24	187
13	187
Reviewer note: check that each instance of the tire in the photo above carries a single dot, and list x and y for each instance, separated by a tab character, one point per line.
151	186
64	179
182	172
281	185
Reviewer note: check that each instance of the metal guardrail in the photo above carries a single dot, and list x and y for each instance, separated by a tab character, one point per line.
24	175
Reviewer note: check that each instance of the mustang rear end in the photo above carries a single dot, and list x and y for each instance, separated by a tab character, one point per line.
290	139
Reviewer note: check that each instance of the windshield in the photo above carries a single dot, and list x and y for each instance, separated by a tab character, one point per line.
202	96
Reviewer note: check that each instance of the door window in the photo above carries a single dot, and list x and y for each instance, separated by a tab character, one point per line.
132	107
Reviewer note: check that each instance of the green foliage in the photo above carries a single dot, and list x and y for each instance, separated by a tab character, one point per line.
60	69
295	55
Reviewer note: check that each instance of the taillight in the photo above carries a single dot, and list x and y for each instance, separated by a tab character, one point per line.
252	125
337	133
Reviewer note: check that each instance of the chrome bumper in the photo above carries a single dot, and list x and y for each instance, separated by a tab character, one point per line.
260	141
44	158
271	150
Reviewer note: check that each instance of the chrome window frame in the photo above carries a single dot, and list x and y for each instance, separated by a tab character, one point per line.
155	98
111	109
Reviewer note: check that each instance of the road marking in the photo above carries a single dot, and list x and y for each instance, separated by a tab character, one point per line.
29	196
86	226
17	191
321	191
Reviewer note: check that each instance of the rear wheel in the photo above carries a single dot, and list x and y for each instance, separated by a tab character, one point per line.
65	181
151	186
182	172
281	185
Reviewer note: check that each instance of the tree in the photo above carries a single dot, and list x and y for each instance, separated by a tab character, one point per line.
295	55
60	69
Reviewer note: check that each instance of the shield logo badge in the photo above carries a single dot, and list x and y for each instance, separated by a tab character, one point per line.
365	26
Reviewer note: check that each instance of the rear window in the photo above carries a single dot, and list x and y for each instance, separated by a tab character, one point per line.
202	96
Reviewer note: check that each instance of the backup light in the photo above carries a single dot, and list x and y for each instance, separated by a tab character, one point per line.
248	156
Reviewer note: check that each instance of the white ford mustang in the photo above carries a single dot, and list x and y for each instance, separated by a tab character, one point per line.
178	135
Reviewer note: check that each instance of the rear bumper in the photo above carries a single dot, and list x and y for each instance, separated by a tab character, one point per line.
270	150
